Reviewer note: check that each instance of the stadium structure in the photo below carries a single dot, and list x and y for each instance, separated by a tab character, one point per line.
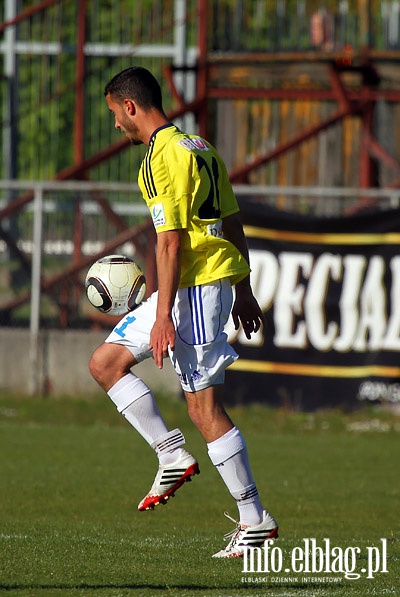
295	94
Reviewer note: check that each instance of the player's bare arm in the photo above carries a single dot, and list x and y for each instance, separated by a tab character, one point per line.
168	272
246	309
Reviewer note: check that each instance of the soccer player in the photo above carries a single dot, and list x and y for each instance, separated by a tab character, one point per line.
201	252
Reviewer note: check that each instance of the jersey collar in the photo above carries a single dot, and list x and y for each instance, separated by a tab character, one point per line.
160	128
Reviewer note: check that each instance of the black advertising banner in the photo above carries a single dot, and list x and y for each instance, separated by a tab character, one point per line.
330	291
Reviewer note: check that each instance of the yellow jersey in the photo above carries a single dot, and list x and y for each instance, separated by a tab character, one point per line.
186	187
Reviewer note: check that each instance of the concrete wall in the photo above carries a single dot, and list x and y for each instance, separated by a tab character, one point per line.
58	364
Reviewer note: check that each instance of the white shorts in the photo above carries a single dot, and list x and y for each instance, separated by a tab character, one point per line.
202	351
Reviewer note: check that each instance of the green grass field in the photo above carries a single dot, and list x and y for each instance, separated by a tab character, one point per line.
73	471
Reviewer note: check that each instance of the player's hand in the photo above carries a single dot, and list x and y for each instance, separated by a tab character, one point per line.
162	336
247	311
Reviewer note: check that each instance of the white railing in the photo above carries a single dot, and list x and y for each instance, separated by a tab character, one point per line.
44	202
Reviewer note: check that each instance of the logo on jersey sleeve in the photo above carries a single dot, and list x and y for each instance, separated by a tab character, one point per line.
158	215
196	143
216	229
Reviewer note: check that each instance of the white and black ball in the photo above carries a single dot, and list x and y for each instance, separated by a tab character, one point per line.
115	285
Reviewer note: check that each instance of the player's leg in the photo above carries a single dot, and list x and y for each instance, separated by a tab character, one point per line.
228	452
111	366
201	355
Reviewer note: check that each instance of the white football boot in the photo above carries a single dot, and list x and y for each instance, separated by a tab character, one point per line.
248	536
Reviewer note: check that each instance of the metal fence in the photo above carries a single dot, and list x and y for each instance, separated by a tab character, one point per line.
64	228
300	25
66	225
55	60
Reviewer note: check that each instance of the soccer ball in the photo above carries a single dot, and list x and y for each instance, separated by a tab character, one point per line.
115	284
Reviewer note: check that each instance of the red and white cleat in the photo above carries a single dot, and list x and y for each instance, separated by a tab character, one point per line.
168	480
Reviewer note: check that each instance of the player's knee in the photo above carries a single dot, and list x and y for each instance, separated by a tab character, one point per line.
101	367
95	366
109	363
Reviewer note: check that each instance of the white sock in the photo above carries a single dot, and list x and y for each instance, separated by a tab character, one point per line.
229	454
168	447
135	401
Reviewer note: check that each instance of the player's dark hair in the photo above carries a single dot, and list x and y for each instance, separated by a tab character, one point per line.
138	84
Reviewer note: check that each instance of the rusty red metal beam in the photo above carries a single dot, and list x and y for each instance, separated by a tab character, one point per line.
202	65
390	95
79	120
16	251
168	75
76	171
347	57
79	126
376	149
69	273
106	208
340	92
360	103
366	164
28	12
73	172
240	174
